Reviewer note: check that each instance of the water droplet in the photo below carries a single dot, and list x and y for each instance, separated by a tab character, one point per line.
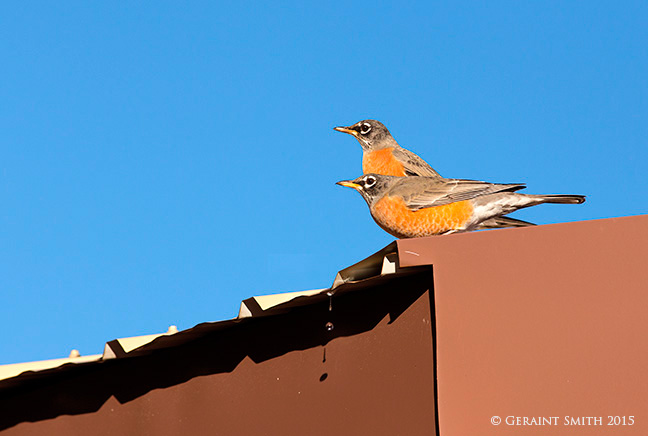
324	357
330	303
329	326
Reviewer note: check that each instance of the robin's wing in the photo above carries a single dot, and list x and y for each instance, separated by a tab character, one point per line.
412	164
422	193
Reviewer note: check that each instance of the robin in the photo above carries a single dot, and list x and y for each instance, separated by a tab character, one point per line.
381	154
410	207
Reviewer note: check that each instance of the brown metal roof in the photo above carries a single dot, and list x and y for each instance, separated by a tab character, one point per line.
540	322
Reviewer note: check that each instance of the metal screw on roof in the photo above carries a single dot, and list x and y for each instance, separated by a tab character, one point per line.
74	353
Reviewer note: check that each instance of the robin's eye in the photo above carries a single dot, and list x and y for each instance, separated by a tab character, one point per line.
365	128
369	182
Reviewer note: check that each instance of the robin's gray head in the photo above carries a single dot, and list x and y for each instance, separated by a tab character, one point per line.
371	186
371	134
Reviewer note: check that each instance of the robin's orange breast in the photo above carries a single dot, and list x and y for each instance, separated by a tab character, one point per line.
394	216
382	162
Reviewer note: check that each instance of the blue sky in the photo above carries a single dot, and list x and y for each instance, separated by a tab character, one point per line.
162	161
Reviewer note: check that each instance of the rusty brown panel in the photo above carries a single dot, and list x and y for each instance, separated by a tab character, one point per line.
267	376
541	322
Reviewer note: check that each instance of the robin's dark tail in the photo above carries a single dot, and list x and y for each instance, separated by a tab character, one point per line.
561	199
503	221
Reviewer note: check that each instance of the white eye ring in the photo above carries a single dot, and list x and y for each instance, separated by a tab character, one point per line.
369	181
364	126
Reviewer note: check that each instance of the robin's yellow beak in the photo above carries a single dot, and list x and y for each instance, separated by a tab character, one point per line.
349	184
346	130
